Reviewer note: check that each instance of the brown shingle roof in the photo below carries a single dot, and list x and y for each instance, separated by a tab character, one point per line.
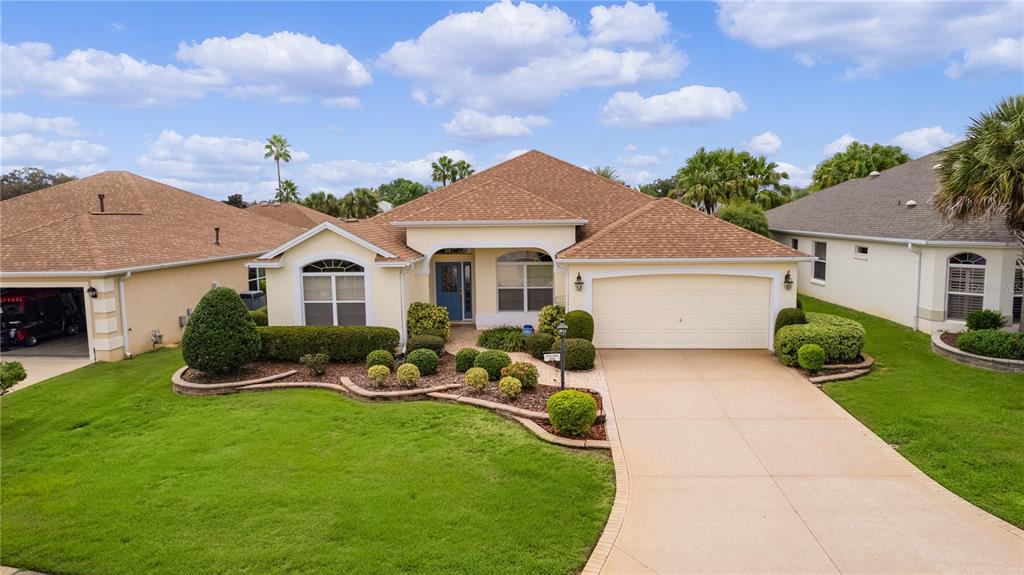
144	223
296	215
489	199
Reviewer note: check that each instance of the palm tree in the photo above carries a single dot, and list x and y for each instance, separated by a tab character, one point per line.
277	147
323	202
857	161
711	179
288	192
608	173
444	169
359	203
461	169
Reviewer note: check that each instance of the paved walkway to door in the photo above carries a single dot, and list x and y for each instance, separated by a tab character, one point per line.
738	465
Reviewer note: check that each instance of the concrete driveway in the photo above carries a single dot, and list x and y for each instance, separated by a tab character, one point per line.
738	465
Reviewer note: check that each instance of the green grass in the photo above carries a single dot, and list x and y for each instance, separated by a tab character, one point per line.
963	426
106	470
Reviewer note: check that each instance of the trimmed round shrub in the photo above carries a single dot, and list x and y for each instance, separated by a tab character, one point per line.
581	325
811	357
572	412
789	316
492	361
316	363
11	373
550	316
378	373
431	342
506	338
579	353
986	319
408	374
842	339
380	357
424	359
220	336
426	317
524	371
476	377
464	359
510	387
259	316
538	343
992	343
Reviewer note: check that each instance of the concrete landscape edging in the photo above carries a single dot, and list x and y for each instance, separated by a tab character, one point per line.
958	355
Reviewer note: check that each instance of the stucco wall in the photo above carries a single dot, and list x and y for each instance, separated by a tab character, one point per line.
999	268
551	239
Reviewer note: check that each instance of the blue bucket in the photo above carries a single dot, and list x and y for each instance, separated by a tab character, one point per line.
527	329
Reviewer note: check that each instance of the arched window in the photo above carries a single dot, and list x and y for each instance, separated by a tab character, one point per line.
334	293
965	288
526	281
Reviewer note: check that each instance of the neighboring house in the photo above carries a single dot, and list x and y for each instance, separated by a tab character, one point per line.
883	249
135	252
496	247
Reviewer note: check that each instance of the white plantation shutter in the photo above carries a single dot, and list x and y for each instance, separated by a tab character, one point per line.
965	288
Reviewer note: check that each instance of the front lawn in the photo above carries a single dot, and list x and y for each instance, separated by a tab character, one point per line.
105	470
961	425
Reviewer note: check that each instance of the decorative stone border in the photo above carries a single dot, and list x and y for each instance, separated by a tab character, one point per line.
958	355
364	393
852	371
188	388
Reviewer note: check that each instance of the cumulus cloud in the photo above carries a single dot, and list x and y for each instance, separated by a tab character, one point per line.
839	144
1003	55
689	104
15	122
78	157
347	102
519	57
628	23
473	125
872	37
637	160
799	177
347	174
765	143
924	140
504	156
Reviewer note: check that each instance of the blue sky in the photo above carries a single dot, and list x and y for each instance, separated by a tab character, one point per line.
186	93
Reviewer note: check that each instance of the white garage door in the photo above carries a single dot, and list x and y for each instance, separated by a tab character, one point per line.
680	311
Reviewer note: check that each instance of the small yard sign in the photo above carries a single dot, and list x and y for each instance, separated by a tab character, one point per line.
552	357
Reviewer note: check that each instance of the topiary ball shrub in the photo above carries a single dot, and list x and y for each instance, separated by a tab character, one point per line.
841	338
492	361
378	374
380	357
259	316
539	343
506	338
464	359
992	343
220	336
789	316
572	412
525	372
811	357
476	377
550	316
11	373
316	363
408	374
510	387
431	342
426	317
986	319
579	354
581	325
424	359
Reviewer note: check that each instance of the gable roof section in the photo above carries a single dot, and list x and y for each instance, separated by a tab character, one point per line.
666	229
144	224
293	214
877	208
491	200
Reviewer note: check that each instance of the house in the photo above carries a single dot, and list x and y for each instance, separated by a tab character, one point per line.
882	248
126	257
496	247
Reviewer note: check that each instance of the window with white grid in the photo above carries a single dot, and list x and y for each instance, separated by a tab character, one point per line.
965	287
334	293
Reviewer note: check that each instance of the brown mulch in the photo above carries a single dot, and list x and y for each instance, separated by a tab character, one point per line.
949	338
535	399
597	431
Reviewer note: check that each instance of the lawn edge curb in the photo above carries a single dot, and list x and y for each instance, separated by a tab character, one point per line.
960	356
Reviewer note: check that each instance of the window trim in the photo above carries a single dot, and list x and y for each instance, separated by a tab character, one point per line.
794	243
950	265
821	260
1018	295
260	274
525	279
857	254
334	301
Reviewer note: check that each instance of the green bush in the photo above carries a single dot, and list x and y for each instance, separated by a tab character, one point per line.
550	316
842	339
506	338
423	341
539	343
510	387
579	353
380	357
424	359
11	373
746	215
476	377
464	359
986	319
344	344
408	374
811	357
316	363
992	343
524	371
492	361
426	317
581	325
799	303
378	373
789	316
259	316
572	412
220	336
436	332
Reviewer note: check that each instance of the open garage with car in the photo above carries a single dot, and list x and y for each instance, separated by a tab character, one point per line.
44	321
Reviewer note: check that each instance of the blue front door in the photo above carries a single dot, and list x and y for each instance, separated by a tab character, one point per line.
448	287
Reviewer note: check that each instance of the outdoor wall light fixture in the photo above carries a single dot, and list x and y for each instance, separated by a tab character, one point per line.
92	292
579	282
788	281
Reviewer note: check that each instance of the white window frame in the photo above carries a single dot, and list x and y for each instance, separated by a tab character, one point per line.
526	280
1018	294
334	290
261	274
950	266
823	261
857	252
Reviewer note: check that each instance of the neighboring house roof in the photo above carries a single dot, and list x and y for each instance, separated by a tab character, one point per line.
144	223
292	214
489	200
876	207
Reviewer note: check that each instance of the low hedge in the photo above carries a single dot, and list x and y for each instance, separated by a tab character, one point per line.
580	324
424	359
432	342
789	316
579	353
259	316
985	319
992	343
539	343
347	344
842	339
506	338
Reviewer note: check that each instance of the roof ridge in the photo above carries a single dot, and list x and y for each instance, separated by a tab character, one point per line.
541	198
456	194
612	227
751	234
589	172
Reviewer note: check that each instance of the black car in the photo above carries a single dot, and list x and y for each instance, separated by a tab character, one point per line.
27	320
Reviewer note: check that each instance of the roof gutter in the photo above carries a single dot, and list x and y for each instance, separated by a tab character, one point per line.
101	273
768	260
946	243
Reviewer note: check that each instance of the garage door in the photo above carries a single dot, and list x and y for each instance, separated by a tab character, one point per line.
673	311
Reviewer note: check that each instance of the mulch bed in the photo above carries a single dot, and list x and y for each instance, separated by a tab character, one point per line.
949	338
597	431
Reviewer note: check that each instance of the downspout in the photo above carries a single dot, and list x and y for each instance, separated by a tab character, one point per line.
124	314
917	282
401	302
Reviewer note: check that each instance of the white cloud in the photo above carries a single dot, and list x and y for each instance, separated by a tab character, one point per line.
635	177
347	102
872	37
628	23
839	144
518	57
689	104
637	160
1003	55
501	157
805	60
799	177
924	140
15	122
765	143
630	148
347	174
473	125
78	157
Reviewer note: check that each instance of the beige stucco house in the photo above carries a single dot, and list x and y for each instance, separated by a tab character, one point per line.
496	247
882	248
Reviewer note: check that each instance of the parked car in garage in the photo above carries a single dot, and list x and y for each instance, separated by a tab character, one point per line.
25	320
